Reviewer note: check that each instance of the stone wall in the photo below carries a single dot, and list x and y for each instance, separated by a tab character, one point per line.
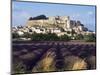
62	21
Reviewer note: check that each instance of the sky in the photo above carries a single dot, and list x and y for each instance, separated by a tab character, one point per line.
21	11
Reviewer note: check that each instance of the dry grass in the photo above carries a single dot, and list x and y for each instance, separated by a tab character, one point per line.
46	64
79	65
74	63
91	62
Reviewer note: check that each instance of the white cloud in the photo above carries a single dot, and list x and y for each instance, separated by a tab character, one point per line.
90	13
75	16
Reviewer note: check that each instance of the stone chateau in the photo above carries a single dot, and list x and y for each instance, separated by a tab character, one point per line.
56	24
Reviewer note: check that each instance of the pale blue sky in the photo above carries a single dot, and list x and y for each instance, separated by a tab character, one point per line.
21	11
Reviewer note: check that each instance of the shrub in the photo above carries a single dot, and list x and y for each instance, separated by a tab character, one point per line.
90	38
44	37
26	35
79	37
64	38
15	35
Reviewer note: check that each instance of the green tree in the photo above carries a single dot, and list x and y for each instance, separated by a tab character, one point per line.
65	38
44	37
90	38
15	35
79	37
26	35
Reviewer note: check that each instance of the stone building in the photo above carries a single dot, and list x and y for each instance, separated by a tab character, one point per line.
55	24
51	22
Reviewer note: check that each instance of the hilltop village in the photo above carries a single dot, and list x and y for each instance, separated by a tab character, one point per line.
60	25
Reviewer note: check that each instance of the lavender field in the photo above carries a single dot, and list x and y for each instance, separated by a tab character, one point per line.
52	56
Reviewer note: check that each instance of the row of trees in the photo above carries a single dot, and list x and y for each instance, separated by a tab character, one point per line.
38	17
54	37
42	37
87	38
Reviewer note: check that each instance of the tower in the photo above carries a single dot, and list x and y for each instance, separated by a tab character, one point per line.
67	23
